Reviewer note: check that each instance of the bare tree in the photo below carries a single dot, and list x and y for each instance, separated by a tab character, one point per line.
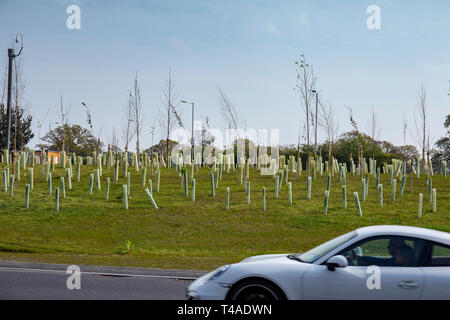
136	114
18	88
91	126
428	146
297	174
64	114
127	129
306	83
228	111
404	130
374	129
114	141
4	84
205	134
39	125
168	110
421	122
358	141
151	147
88	117
329	123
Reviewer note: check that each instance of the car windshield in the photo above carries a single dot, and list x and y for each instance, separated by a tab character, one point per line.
319	251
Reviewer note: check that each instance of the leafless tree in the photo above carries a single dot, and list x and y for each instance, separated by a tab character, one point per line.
297	174
374	129
114	141
421	122
228	111
127	128
18	89
136	114
358	141
178	117
88	117
404	130
91	126
40	123
329	123
151	147
168	110
4	84
306	83
428	146
64	112
205	134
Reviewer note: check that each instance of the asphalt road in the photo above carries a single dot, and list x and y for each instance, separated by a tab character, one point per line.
49	281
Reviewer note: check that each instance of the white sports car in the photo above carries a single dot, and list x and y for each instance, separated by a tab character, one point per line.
377	262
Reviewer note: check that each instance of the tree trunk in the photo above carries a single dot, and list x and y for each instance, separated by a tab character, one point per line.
309	163
298	160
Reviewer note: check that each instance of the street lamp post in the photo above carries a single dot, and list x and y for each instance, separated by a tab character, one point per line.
11	56
192	134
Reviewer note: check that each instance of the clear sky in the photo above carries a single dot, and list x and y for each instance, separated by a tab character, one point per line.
248	48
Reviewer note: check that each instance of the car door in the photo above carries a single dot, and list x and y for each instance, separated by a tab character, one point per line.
372	273
321	283
436	268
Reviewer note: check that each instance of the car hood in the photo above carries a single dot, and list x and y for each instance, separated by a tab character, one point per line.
264	257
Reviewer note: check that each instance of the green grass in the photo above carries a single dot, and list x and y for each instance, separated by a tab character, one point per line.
200	235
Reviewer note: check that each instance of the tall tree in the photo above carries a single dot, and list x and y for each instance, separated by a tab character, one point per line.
168	110
360	141
18	89
374	130
228	111
98	147
329	123
64	113
306	83
136	113
127	127
421	122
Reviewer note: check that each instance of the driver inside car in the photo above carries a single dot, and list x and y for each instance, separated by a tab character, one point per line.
401	255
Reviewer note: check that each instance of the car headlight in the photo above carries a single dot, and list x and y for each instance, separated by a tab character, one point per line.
214	274
218	272
192	295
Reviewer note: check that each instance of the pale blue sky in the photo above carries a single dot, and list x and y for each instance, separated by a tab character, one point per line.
248	48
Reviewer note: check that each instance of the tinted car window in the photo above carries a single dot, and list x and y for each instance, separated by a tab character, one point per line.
440	255
391	251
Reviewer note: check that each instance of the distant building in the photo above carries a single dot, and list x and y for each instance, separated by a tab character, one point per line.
37	156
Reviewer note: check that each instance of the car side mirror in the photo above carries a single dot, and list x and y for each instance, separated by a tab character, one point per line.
336	262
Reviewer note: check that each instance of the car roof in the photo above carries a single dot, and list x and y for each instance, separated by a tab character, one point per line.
429	234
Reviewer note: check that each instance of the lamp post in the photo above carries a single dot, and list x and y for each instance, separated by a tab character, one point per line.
315	124
11	56
192	136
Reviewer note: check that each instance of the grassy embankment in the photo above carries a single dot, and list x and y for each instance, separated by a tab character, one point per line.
197	235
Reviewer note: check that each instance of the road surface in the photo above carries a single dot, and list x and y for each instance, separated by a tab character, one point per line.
20	280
